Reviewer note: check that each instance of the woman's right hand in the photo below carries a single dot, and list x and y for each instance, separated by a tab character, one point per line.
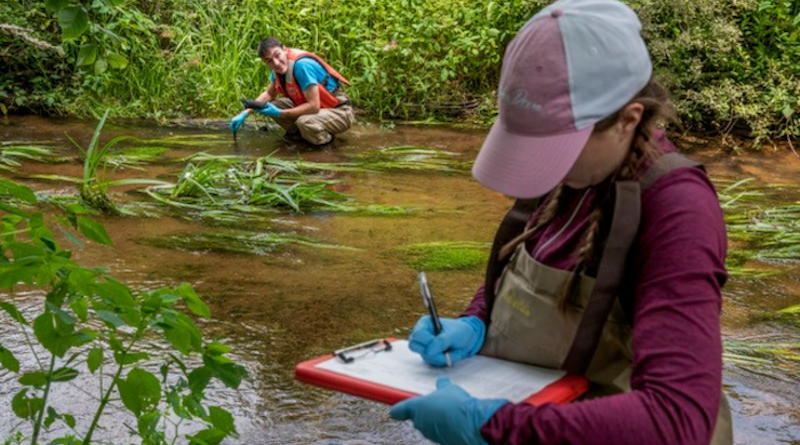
460	338
238	120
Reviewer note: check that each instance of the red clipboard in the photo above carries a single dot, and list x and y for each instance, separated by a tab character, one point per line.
564	390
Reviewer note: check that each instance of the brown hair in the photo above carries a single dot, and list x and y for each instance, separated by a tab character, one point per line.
657	107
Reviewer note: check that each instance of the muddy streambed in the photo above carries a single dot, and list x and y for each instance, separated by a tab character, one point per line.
279	304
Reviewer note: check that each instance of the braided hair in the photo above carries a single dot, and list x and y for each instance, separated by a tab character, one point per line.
657	107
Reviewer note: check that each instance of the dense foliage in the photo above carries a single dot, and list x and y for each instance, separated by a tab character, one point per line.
87	328
730	64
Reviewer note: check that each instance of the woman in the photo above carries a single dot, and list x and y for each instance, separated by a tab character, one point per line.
576	127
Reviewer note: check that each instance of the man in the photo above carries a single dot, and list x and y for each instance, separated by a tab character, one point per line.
314	105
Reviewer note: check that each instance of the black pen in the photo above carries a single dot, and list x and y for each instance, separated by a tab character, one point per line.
427	298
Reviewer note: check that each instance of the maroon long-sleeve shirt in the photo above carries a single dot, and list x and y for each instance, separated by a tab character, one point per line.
678	257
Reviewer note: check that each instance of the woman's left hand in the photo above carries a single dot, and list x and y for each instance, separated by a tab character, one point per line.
449	415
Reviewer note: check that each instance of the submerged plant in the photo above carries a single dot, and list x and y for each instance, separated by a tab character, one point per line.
95	330
9	155
240	242
408	157
446	255
98	171
267	182
764	356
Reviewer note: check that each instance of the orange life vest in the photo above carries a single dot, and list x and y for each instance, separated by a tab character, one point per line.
287	86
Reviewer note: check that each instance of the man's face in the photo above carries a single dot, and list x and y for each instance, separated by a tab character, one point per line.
275	58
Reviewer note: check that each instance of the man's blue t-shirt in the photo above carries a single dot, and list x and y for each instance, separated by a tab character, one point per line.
308	71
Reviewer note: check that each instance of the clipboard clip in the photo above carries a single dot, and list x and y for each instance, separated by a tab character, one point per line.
352	353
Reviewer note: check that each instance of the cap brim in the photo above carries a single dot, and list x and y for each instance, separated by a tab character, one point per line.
524	166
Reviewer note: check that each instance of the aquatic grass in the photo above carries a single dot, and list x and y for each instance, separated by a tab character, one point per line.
195	140
408	157
768	233
445	255
220	183
96	180
10	155
764	357
249	243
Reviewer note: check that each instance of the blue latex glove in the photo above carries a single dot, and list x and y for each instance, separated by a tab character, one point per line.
270	110
238	120
460	337
449	415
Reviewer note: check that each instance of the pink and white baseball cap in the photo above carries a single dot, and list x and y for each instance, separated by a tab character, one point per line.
571	65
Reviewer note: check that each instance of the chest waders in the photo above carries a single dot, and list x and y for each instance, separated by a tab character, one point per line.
593	337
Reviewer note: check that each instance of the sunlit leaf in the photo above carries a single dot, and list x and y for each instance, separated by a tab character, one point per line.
116	61
100	66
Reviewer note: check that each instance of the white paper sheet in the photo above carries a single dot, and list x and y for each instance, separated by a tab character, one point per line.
482	377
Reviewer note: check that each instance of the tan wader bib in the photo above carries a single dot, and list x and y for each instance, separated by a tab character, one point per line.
527	327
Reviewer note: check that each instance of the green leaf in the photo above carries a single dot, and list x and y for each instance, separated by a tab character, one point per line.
221	419
148	426
64	375
73	21
193	301
87	55
80	306
787	111
130	357
140	391
216	348
8	361
17	190
210	436
116	61
12	311
53	6
93	230
229	373
56	340
94	359
199	379
37	378
111	318
790	310
24	407
52	415
100	66
69	419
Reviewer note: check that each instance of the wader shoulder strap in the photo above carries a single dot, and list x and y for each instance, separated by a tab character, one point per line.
624	225
624	228
513	224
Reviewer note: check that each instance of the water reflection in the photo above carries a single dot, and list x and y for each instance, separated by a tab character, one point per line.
297	301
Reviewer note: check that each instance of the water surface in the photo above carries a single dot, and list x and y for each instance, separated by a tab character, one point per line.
287	305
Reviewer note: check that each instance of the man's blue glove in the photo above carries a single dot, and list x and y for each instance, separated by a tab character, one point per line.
460	337
270	110
238	120
449	415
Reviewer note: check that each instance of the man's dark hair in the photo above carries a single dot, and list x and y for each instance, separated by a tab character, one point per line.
266	44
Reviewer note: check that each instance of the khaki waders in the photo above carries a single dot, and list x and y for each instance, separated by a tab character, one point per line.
321	127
